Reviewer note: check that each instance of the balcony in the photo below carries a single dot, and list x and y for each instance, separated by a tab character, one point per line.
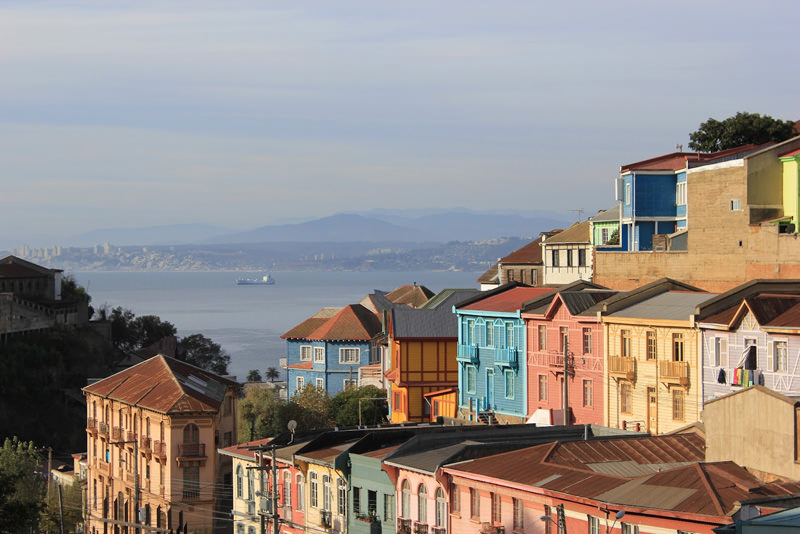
145	444
420	528
282	363
506	357
103	467
91	425
467	353
488	528
116	433
131	436
438	530
555	360
403	526
129	477
191	450
370	375
102	426
674	372
145	485
191	494
160	449
326	519
622	367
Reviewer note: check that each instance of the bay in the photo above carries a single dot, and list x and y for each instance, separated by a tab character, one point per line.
248	320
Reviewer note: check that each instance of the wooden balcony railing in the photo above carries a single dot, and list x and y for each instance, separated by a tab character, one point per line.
467	353
191	450
674	372
145	444
506	357
160	449
91	424
102	426
131	436
622	367
116	433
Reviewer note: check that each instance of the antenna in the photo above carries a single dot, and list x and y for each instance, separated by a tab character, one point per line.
579	211
679	147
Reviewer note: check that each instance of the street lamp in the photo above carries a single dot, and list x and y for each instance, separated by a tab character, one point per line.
619	515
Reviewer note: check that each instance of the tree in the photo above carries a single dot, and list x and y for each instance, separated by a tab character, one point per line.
129	332
201	352
71	502
257	413
344	407
272	374
21	488
254	376
308	406
742	129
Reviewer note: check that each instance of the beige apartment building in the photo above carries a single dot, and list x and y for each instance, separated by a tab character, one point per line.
156	427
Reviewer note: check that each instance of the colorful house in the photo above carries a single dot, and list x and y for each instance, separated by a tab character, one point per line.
605	229
652	370
791	190
619	485
567	256
423	347
159	420
248	482
750	335
492	375
328	349
524	265
567	320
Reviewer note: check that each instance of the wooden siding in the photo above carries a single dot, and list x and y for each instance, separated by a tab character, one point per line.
422	366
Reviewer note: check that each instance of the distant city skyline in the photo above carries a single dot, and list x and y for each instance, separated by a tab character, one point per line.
243	114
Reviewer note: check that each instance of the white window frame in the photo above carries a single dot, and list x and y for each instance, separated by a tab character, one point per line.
778	363
344	358
319	354
510	383
627	193
319	382
305	353
471	379
300	383
736	204
680	193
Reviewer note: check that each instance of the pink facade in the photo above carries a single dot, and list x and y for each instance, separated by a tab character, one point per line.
421	500
291	484
547	330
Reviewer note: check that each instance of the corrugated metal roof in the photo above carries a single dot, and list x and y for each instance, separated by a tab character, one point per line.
671	305
423	323
530	254
580	302
609	215
510	300
447	298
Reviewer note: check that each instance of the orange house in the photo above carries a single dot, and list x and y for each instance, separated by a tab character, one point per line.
423	344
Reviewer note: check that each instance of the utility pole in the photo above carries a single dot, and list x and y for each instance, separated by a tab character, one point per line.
273	496
565	401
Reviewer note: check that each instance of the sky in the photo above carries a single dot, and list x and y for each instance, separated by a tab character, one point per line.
242	114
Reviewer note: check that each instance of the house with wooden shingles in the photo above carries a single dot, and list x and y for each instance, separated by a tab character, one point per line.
652	370
422	346
163	418
328	349
492	375
750	336
566	321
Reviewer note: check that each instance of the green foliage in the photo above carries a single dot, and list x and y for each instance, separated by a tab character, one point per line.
742	129
309	407
21	488
344	406
254	376
613	238
130	333
71	502
272	374
201	352
257	413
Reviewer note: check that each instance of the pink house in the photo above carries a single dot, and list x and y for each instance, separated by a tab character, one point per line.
569	318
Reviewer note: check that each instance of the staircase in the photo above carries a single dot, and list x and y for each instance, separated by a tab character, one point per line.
487	418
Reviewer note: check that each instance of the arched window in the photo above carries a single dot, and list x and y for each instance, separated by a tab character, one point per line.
422	503
239	481
191	434
301	492
405	502
441	508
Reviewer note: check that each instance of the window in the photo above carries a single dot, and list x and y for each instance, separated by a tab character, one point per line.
441	508
350	383
588	394
191	482
287	488
497	512
301	492
239	528
490	334
780	351
422	503
627	193
652	347
581	257
625	398
319	354
510	335
563	336
518	514
677	347
388	507
509	376
356	500
239	482
405	502
604	235
326	492
587	340
736	205
471	332
349	355
542	337
680	193
341	497
716	355
372	502
313	490
305	353
594	522
677	404
625	343
472	378
319	383
628	528
251	485
474	503
569	258
301	383
542	387
555	255
455	499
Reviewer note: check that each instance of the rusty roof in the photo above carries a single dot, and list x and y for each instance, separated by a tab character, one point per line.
676	161
530	254
353	322
165	385
780	310
509	300
489	277
241	450
327	455
413	295
14	267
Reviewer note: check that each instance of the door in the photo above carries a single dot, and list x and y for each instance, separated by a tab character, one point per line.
652	411
489	388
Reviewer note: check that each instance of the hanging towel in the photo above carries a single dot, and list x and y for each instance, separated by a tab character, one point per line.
721	376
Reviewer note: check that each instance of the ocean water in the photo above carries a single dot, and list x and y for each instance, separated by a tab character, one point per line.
248	320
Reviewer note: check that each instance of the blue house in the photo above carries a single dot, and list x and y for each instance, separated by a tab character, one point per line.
492	374
327	349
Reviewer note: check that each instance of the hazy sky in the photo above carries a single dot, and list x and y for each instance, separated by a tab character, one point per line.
130	114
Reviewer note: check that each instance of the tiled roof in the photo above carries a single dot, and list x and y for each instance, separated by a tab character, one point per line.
304	329
241	450
413	295
577	233
14	267
353	323
509	300
165	385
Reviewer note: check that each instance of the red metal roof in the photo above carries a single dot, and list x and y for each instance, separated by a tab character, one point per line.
241	449
790	154
353	322
507	301
303	365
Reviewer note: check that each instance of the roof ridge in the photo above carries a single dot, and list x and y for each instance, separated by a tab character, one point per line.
715	498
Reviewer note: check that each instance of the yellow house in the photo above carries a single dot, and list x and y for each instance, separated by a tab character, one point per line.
791	187
248	483
155	427
652	362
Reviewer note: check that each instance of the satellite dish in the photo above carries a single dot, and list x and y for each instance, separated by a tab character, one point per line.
291	425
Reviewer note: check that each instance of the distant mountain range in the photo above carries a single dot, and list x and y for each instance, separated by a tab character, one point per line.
373	226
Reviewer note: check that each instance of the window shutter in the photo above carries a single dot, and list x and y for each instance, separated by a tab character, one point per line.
713	359
519	331
723	352
771	363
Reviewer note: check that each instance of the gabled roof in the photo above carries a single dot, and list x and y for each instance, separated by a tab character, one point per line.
670	305
377	303
721	309
580	302
490	276
580	232
14	267
413	295
447	298
609	215
541	303
353	323
530	254
438	323
165	385
242	451
304	329
628	298
506	298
